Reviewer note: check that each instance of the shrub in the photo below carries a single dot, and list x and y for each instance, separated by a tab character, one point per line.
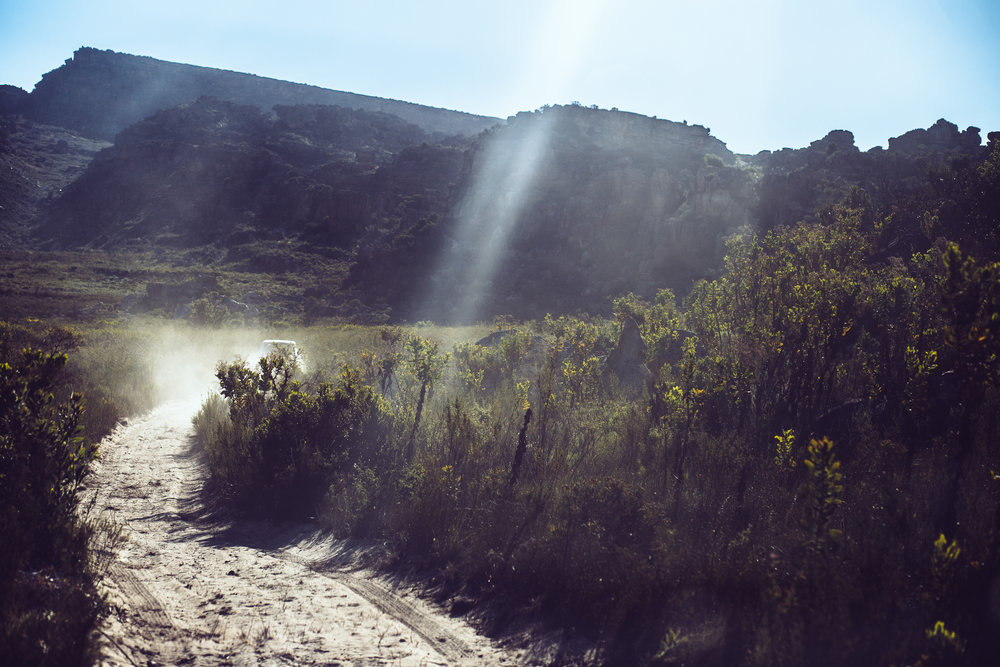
48	602
713	160
284	445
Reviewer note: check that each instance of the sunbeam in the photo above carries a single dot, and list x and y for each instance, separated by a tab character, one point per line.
505	167
487	217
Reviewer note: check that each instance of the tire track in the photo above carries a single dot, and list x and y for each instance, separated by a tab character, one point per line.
444	642
141	601
448	645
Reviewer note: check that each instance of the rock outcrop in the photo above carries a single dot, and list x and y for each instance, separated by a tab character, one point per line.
614	202
941	137
12	99
796	183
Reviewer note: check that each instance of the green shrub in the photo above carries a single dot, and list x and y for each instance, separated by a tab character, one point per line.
604	537
713	160
273	440
208	312
48	602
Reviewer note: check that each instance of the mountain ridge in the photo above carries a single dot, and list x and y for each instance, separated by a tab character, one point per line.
99	93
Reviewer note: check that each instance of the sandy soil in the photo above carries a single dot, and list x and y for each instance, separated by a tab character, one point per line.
189	590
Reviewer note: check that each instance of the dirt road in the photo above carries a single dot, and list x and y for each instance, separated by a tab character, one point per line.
187	590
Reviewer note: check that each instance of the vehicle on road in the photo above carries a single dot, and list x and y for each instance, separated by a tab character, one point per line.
288	349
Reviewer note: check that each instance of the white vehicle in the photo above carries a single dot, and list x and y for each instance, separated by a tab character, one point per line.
286	348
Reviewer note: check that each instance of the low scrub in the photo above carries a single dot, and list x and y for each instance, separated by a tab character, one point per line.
807	476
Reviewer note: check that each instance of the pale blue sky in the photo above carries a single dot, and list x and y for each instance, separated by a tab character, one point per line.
761	75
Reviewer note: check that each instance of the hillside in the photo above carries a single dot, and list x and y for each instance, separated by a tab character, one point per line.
36	162
384	193
218	173
557	210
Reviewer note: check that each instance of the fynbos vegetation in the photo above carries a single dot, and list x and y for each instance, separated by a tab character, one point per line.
808	477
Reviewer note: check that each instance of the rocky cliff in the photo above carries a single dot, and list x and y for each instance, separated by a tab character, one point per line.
616	202
796	183
214	172
36	163
942	137
99	93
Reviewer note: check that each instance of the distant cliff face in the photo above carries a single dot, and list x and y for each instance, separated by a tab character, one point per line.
12	99
942	137
797	182
556	210
99	93
37	162
609	203
221	173
625	203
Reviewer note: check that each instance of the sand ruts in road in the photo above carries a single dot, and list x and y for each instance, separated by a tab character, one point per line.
186	591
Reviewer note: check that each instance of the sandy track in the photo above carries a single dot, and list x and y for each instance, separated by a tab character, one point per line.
191	591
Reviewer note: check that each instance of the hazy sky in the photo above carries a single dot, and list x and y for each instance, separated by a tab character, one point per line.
765	74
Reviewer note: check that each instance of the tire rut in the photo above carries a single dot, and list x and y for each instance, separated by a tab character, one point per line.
445	643
141	601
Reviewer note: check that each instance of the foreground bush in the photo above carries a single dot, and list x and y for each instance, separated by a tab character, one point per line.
108	365
48	600
278	441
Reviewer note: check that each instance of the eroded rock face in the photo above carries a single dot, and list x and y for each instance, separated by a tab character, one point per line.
616	202
12	99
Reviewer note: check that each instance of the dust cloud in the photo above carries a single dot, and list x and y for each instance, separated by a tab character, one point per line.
182	360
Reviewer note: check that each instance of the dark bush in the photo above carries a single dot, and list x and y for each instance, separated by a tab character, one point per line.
48	601
283	444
